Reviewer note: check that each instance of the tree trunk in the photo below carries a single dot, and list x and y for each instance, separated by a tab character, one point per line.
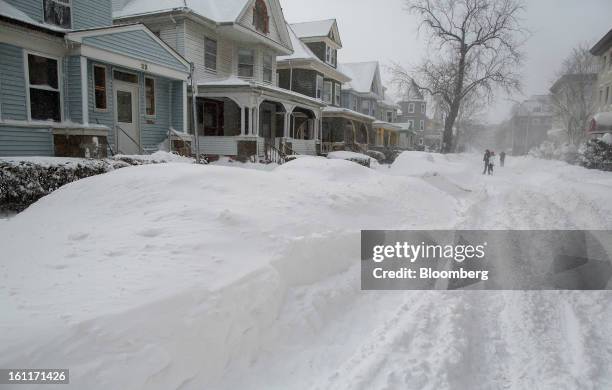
449	123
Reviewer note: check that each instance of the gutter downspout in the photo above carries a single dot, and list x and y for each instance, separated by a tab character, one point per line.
194	112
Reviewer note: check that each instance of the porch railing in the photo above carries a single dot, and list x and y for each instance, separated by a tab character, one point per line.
118	129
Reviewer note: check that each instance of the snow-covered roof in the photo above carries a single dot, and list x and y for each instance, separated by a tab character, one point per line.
386	125
362	75
217	11
11	12
302	52
317	28
348	112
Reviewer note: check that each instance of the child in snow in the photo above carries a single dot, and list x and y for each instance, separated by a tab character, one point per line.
491	163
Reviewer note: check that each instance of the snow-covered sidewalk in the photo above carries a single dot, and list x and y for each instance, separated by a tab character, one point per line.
187	277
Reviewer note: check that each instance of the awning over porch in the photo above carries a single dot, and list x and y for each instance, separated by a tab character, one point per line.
386	126
131	46
340	112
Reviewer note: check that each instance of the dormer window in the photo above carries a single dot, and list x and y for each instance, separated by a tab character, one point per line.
58	12
261	20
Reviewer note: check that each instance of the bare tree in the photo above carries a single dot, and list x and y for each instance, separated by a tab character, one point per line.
475	49
572	93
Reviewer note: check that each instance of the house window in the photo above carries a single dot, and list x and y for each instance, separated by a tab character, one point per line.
421	141
328	54
125	77
355	105
246	62
337	94
261	20
58	12
327	92
422	125
319	87
411	108
99	76
210	54
410	125
365	107
423	107
267	68
43	87
150	96
334	60
390	116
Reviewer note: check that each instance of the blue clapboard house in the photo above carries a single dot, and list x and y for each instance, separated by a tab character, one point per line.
73	84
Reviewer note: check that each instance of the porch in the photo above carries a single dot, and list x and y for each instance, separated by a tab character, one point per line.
252	120
344	129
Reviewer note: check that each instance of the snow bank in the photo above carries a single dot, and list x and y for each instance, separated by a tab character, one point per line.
359	158
161	275
425	164
24	180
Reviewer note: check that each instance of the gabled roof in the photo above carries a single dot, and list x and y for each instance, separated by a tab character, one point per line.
603	44
224	13
218	11
301	52
318	29
362	75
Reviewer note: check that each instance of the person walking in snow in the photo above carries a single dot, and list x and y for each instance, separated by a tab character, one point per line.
502	159
486	158
491	163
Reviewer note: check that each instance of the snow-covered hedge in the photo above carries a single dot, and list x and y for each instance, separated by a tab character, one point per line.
550	151
596	154
25	180
358	158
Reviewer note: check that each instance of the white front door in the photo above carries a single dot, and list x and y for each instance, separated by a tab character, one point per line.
127	117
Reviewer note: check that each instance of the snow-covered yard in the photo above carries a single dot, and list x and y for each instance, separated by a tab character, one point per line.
179	276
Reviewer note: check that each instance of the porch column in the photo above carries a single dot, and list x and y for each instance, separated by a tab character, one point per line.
286	124
242	124
84	91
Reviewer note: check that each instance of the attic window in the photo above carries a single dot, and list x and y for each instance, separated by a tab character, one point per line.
58	12
261	20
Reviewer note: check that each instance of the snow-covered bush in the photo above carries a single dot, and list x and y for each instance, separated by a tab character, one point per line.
358	158
550	151
25	180
596	154
378	156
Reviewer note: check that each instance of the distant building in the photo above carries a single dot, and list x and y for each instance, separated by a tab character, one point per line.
602	121
531	121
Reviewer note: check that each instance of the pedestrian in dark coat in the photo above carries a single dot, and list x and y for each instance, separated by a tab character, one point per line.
487	156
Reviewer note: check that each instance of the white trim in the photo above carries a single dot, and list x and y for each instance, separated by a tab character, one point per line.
42	7
154	115
29	39
85	91
78	36
131	63
60	80
93	85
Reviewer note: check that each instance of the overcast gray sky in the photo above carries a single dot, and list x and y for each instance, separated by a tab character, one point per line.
382	30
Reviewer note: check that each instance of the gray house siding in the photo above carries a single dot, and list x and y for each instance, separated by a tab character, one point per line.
85	13
154	130
25	141
318	48
32	8
73	101
136	44
91	13
12	83
176	98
